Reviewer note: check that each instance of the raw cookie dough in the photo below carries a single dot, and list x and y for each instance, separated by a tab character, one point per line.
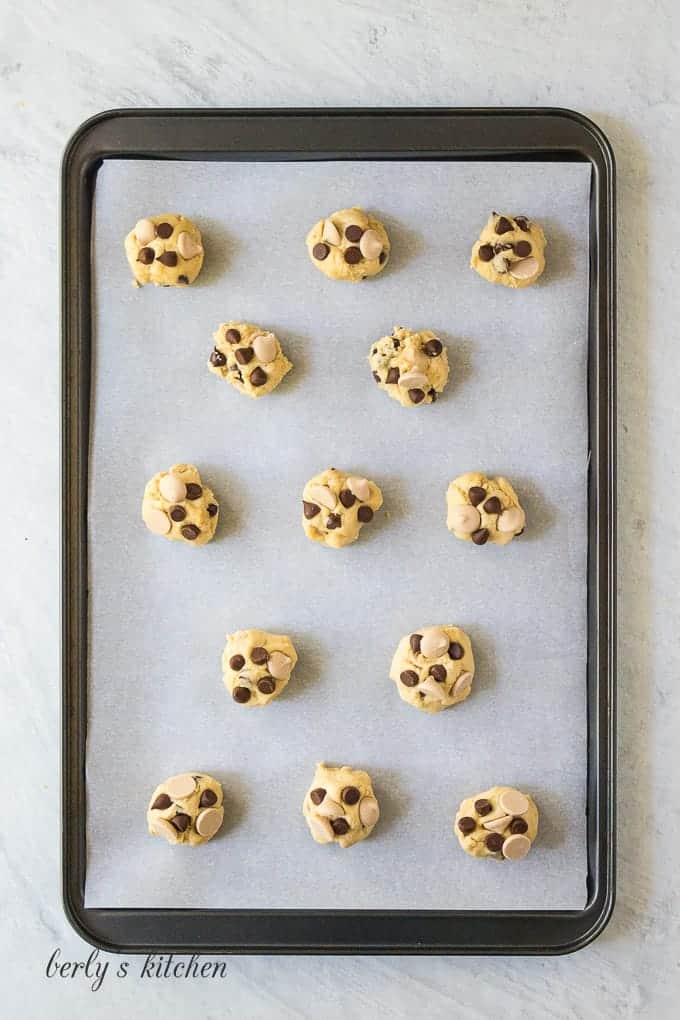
335	506
248	357
482	509
349	245
433	667
177	505
340	806
500	823
411	367
186	809
510	250
256	665
164	250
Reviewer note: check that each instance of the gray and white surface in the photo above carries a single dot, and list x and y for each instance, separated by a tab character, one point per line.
618	64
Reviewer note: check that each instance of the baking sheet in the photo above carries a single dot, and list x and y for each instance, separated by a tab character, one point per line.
516	404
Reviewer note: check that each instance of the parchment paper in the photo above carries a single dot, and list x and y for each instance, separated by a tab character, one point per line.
159	611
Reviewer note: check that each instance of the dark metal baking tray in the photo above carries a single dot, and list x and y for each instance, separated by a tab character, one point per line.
339	134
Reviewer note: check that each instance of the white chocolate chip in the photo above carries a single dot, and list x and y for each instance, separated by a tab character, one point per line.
369	811
187	246
180	786
370	244
321	828
512	519
329	808
172	488
209	821
157	521
464	518
145	231
524	269
279	665
162	827
516	847
264	346
359	487
463	683
330	233
434	642
500	263
498	824
431	687
413	380
323	495
513	802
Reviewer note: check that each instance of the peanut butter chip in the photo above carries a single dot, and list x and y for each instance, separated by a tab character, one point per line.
516	847
323	495
321	828
279	665
180	786
161	827
370	244
329	808
464	518
157	521
330	233
187	246
415	358
413	380
433	642
369	811
431	687
523	269
209	821
462	683
498	824
145	231
172	488
359	487
264	346
513	802
512	519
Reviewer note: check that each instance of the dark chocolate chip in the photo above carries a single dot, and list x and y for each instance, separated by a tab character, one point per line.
503	225
523	223
375	351
347	498
353	233
339	826
417	396
212	509
181	822
244	355
485	252
267	685
414	642
409	678
182	278
467	825
190	532
208	798
456	651
433	347
217	359
381	257
237	662
168	258
480	536
493	505
494	842
350	795
365	514
334	521
376	377
241	694
164	230
523	248
259	655
432	395
310	509
146	256
317	795
483	806
352	256
161	802
177	513
438	672
396	343
232	336
518	826
320	251
237	370
392	376
194	490
258	376
476	494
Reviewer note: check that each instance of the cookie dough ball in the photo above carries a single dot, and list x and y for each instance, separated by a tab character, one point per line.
177	505
510	250
411	367
340	806
349	245
164	250
336	505
500	823
482	509
433	668
186	809
248	357
256	665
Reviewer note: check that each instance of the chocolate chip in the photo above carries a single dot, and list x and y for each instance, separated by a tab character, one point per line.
208	798
258	376
244	355
376	377
433	347
352	256
381	257
353	233
494	842
212	509
417	396
161	802
438	672
396	343
480	537
237	662
168	258
259	655
232	336
164	230
409	678
181	822
190	532
310	509
334	521
365	514
146	256
339	826
493	505
177	513
320	251
456	651
317	795
237	370
476	494
347	498
194	490
523	223
485	252
467	825
267	685
350	795
518	826
523	248
503	225
433	396
414	642
241	694
182	278
483	806
392	376
217	359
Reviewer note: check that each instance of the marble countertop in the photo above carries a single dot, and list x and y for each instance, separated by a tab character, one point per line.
61	63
